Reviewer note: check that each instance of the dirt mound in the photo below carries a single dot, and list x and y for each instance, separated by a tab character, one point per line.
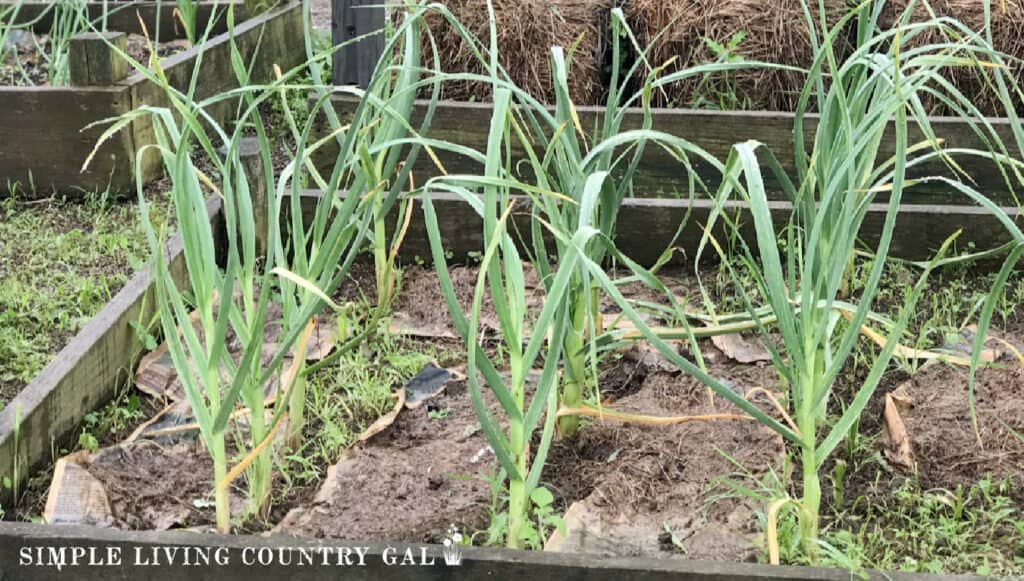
646	483
409	483
424	473
153	487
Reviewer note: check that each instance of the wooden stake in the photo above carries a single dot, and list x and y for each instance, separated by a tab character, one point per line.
92	60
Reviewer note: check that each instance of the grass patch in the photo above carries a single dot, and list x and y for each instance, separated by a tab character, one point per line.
60	262
967	530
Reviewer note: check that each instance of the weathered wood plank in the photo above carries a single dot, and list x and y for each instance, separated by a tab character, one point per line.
92	60
661	175
85	374
477	563
647	226
158	16
43	146
273	38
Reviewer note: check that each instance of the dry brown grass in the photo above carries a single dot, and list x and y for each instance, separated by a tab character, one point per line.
1007	37
526	29
776	32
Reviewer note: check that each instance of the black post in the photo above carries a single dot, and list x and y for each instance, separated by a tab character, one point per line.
354	64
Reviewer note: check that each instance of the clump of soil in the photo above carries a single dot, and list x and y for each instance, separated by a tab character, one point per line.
154	487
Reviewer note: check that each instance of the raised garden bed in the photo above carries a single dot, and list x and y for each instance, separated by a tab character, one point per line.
928	215
52	407
900	476
38	162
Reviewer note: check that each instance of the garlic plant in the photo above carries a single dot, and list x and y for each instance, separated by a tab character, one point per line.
875	90
229	289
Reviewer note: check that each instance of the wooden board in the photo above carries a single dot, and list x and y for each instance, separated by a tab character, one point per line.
84	375
266	40
661	175
647	226
20	544
43	146
125	16
94	59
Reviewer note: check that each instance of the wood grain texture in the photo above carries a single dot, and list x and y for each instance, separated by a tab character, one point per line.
478	563
44	145
273	38
661	175
648	226
125	16
85	374
92	60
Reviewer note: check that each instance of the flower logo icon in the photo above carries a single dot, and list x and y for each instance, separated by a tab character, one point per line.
452	550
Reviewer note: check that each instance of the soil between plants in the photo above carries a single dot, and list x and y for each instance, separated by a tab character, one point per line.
156	487
946	448
423	474
648	485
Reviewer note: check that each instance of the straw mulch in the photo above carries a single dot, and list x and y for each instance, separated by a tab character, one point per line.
526	29
1007	37
776	32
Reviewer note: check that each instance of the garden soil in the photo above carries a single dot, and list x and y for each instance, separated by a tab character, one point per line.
625	490
425	472
947	450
